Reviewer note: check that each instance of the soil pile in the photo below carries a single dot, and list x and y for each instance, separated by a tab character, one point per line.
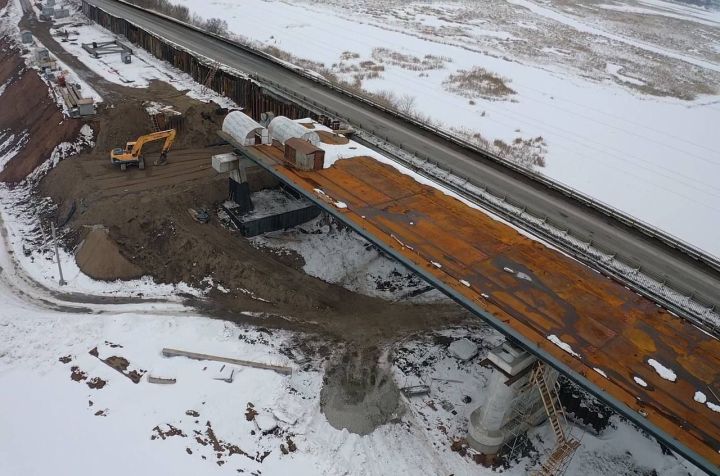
28	111
99	257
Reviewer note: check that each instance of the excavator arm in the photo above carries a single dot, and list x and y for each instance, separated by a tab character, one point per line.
168	135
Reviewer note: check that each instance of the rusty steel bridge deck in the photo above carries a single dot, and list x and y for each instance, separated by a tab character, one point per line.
530	291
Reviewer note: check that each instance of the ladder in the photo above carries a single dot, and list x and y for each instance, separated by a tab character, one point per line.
209	78
155	123
566	445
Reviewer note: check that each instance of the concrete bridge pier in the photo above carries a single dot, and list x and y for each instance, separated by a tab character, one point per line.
513	403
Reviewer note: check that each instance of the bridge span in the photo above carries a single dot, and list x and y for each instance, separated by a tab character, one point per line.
613	342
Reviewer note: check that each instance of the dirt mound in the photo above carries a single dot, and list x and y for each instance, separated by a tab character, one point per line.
129	120
28	111
99	257
358	394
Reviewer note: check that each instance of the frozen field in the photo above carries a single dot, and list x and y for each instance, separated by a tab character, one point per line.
612	103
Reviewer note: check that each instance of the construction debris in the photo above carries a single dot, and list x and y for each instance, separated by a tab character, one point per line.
161	380
200	215
109	47
463	349
162	373
225	373
245	363
77	105
415	390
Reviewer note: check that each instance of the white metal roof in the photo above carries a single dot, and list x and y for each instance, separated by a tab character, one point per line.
241	127
281	129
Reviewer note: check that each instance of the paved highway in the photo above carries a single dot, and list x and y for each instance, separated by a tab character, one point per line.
632	247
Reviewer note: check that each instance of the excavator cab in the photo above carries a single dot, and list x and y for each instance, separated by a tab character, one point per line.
132	154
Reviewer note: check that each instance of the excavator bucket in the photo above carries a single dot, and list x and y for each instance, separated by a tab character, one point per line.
162	160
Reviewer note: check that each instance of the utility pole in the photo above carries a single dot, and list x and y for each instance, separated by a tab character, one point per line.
57	254
44	236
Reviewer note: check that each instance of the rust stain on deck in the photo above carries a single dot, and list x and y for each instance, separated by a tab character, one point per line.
535	290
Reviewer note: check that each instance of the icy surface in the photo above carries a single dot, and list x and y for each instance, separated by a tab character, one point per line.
445	411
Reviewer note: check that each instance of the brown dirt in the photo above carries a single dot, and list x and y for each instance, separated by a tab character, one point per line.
99	257
121	364
330	138
28	110
96	383
76	374
170	431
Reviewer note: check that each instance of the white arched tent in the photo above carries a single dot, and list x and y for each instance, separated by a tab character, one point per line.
244	130
281	129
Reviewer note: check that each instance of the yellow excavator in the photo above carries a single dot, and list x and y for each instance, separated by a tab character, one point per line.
132	153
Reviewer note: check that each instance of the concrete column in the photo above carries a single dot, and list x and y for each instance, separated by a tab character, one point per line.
512	403
240	174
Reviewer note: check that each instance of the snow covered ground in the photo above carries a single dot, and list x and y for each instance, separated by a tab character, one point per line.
87	416
338	255
625	111
143	69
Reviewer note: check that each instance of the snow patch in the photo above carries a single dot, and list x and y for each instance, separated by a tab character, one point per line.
563	345
662	371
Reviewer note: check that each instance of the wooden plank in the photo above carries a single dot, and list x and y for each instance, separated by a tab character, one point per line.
245	363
